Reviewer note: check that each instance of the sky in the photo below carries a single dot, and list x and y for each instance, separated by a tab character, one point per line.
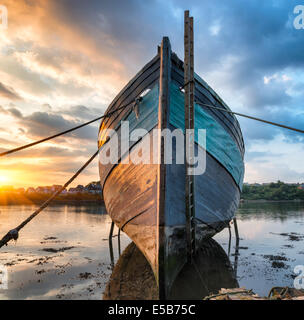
62	63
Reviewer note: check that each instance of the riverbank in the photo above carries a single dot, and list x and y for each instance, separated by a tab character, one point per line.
276	293
8	199
64	253
278	191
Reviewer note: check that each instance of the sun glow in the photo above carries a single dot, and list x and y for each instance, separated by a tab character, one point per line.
4	179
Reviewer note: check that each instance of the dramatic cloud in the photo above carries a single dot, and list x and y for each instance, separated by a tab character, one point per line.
8	93
62	62
42	124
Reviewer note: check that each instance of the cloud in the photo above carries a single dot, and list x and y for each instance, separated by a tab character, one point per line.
268	172
83	112
8	92
41	124
7	142
248	51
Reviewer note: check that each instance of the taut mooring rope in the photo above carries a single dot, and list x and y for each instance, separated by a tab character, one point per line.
250	117
63	132
13	234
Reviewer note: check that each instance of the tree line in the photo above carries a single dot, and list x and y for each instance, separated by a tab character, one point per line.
274	191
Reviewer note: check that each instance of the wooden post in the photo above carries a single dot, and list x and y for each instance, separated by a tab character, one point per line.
111	245
229	244
189	134
163	120
237	237
237	241
118	242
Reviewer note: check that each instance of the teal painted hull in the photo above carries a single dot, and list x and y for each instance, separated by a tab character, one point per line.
132	192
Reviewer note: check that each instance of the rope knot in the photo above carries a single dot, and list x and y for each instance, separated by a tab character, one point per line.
14	234
136	106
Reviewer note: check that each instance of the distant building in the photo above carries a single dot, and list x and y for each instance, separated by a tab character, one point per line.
55	187
30	190
41	190
94	188
73	190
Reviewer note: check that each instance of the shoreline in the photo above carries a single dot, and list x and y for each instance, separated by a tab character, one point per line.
55	202
101	202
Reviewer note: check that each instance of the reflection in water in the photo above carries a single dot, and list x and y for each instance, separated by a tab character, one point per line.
62	254
276	211
132	277
267	230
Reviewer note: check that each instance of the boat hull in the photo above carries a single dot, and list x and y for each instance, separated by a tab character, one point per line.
146	199
132	278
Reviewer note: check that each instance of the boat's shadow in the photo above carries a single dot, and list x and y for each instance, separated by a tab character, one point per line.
132	276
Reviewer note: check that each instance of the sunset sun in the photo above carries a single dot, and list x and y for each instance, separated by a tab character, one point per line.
4	179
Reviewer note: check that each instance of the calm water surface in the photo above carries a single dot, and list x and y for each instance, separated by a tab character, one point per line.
64	253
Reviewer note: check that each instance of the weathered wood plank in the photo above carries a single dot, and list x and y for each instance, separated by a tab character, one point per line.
189	135
163	121
132	82
145	81
230	123
130	195
177	64
148	119
218	141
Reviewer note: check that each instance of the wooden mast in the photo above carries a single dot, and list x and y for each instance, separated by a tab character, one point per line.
189	133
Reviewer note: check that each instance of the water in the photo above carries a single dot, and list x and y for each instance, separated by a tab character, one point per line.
268	229
80	271
81	267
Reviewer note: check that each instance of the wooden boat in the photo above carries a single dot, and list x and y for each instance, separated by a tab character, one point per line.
147	200
132	277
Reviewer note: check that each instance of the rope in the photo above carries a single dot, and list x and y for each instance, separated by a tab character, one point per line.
62	133
14	233
282	293
185	84
252	118
229	293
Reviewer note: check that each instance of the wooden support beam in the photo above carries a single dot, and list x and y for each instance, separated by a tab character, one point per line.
163	121
111	245
237	242
189	134
236	230
118	242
